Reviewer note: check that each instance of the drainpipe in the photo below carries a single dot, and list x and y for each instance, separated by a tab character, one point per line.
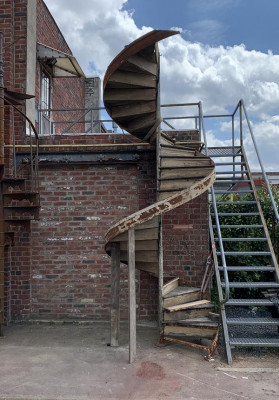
2	233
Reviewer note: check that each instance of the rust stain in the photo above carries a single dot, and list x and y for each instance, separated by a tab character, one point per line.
151	370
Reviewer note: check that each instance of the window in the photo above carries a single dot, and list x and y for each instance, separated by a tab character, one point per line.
45	93
45	100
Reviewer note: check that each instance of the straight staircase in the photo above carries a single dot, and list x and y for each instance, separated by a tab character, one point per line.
247	272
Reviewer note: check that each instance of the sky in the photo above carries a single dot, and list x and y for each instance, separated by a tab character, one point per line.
227	50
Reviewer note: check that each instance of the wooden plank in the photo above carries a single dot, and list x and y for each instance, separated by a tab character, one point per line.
178	301
151	267
143	64
185	162
143	234
141	123
200	311
176	151
142	255
152	223
169	286
130	79
129	95
208	332
132	295
115	294
186	173
144	245
186	305
133	110
177	184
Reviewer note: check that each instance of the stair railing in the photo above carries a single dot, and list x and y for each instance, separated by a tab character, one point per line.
241	106
33	150
224	298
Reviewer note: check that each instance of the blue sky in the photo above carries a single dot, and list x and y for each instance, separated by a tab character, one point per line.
227	50
214	22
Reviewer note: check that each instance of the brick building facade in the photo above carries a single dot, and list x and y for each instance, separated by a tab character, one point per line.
58	268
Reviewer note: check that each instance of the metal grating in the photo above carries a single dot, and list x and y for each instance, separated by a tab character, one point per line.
257	342
223	151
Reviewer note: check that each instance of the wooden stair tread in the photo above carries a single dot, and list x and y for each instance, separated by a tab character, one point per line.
180	290
170	285
192	304
193	322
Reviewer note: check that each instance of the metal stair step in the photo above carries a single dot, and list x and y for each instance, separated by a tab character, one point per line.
230	181
233	214
252	321
248	268
249	302
229	163
226	155
233	191
258	239
239	226
256	342
246	253
236	202
244	285
231	172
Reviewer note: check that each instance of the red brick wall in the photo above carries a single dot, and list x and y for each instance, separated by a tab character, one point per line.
70	272
66	92
13	25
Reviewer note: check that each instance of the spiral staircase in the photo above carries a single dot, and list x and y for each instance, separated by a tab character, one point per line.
131	98
19	196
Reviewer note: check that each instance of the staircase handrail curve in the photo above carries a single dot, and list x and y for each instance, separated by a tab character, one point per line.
160	207
36	187
224	264
274	206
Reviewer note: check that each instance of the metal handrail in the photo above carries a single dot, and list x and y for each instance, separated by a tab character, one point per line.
241	106
224	264
34	156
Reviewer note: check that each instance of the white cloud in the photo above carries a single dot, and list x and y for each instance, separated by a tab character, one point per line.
97	30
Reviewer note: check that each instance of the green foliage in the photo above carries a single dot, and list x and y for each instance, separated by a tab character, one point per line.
231	206
267	208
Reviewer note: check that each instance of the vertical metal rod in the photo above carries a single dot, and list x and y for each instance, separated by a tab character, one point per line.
132	296
91	120
2	132
160	274
115	292
14	143
240	125
260	162
2	166
31	159
233	144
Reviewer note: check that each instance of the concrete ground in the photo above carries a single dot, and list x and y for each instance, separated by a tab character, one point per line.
73	362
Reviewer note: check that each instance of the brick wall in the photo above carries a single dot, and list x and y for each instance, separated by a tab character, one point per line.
13	16
66	92
69	270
